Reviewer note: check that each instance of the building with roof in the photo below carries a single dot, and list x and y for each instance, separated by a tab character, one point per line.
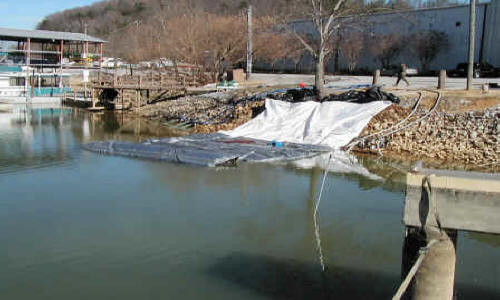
50	49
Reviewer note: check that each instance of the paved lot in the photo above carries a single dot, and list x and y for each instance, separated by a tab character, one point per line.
346	81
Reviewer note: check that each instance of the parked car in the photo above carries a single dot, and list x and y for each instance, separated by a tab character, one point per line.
393	70
111	62
480	70
146	64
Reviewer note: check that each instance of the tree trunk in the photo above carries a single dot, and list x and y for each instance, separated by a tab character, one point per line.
352	65
319	77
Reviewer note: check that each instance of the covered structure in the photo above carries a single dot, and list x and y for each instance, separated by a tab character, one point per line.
42	48
32	62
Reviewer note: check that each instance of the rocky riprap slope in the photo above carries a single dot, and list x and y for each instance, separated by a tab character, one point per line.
467	138
207	113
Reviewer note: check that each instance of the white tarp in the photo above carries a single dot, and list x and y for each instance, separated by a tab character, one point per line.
332	124
340	162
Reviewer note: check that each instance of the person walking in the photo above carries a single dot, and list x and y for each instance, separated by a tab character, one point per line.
402	75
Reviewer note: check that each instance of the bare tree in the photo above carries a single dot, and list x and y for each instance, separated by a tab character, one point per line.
326	18
206	40
272	45
350	47
427	45
270	48
386	47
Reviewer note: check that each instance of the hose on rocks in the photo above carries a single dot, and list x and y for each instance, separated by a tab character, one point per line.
389	131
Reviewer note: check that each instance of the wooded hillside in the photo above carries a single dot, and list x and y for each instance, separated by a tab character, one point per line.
107	17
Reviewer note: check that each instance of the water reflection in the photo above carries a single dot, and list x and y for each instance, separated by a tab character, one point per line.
35	136
85	223
126	127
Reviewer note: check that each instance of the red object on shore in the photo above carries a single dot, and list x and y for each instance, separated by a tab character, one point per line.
302	85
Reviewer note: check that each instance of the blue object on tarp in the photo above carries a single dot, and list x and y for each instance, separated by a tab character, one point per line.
276	144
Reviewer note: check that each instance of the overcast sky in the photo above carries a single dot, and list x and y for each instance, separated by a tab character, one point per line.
25	14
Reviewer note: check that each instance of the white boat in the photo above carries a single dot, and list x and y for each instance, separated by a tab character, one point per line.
47	87
12	84
5	107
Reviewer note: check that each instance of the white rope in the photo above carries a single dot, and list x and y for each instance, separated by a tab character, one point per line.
316	216
438	100
358	140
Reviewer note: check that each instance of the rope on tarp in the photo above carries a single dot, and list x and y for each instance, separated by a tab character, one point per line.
316	217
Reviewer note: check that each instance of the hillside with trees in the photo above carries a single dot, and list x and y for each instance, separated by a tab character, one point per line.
107	17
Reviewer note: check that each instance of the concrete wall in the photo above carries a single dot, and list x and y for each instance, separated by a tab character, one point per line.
454	21
491	46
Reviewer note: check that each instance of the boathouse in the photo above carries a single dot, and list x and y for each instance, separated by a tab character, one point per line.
49	49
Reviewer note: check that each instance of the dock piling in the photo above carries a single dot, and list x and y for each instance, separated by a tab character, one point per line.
376	77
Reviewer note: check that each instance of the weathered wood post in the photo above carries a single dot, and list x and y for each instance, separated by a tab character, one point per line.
139	94
486	88
442	80
376	77
93	98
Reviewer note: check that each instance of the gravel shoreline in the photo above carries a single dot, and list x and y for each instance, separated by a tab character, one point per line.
469	139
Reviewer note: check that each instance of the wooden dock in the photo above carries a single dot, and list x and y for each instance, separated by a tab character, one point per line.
133	91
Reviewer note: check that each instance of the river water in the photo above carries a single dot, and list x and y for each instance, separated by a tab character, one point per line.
78	225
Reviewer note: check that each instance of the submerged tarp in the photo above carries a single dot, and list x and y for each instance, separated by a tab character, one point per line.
208	150
332	124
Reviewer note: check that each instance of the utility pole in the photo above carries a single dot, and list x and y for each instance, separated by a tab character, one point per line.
472	38
249	42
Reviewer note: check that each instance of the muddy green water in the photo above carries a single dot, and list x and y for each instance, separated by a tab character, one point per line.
77	225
